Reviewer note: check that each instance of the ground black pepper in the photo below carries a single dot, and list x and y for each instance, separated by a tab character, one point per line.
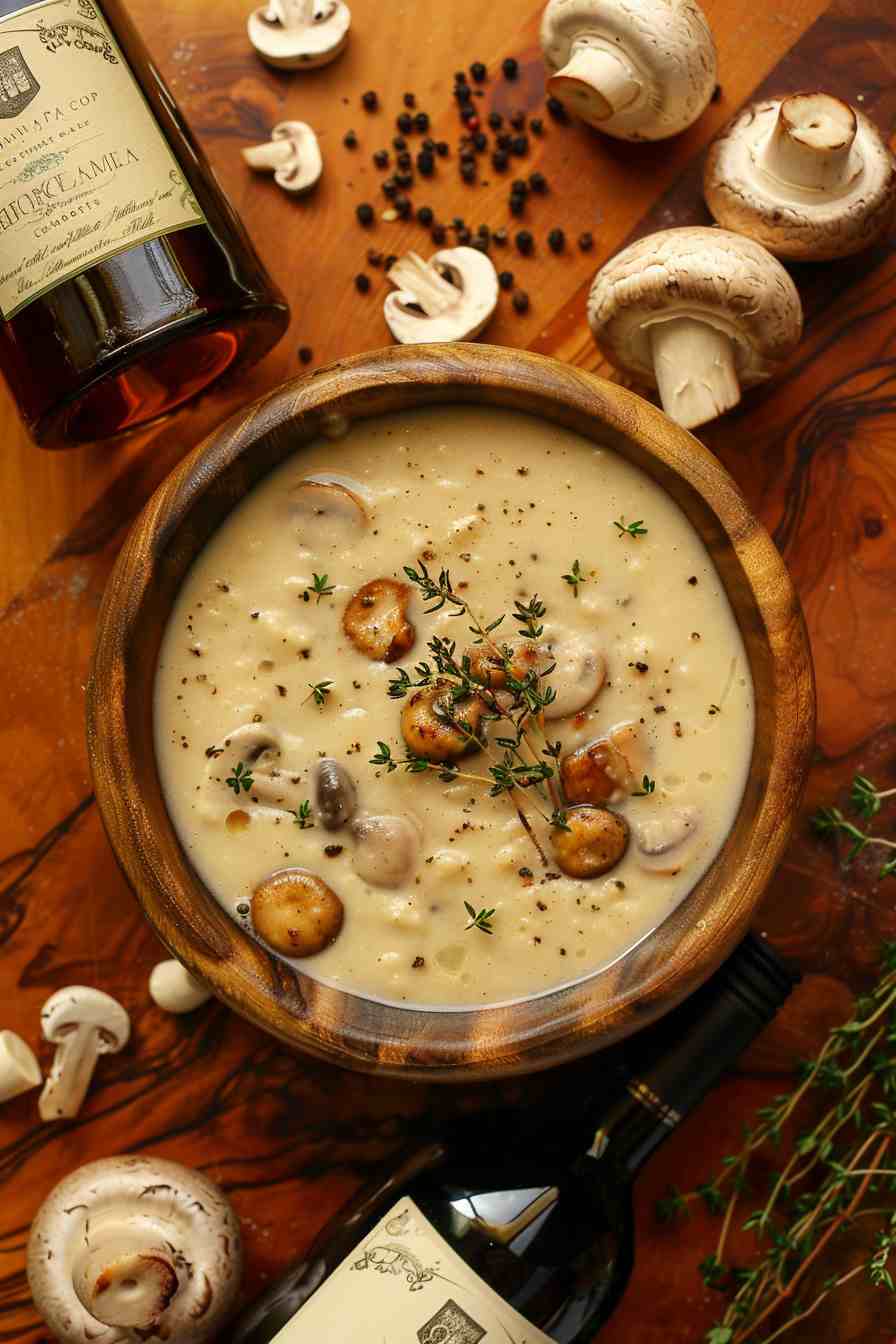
480	142
404	179
519	187
404	160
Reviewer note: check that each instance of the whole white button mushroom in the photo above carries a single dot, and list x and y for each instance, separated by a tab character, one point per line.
135	1247
82	1023
698	313
807	176
19	1069
299	34
292	154
448	298
173	989
635	69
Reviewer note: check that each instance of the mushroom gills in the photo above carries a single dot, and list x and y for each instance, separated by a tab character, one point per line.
695	370
577	678
299	34
664	842
386	849
335	795
597	82
328	513
258	747
292	155
448	298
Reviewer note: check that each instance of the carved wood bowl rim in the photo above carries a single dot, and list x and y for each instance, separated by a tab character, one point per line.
348	1029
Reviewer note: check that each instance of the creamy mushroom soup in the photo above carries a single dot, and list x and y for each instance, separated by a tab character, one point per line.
413	801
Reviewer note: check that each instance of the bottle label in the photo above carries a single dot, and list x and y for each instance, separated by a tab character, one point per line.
85	171
405	1285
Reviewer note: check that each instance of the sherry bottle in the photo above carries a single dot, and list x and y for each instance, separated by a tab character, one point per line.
467	1241
127	282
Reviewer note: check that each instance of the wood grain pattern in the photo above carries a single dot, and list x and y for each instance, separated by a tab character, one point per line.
813	455
346	1028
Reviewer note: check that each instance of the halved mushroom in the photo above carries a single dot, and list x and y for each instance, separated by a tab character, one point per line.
807	176
376	622
697	312
292	154
594	843
448	298
439	729
335	795
83	1023
296	913
256	747
299	34
635	69
607	769
490	668
386	849
664	842
19	1069
328	513
579	673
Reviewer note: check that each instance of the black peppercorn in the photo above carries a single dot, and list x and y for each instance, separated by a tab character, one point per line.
429	145
500	160
538	182
442	148
409	100
374	258
425	163
556	109
460	77
399	142
458	223
306	354
381	158
500	236
480	141
438	233
364	213
425	216
468	171
405	123
504	141
520	145
519	187
403	206
556	240
404	179
536	126
467	156
421	123
464	236
478	71
362	283
370	101
495	120
462	94
524	242
389	262
521	301
481	244
517	120
510	67
484	231
389	187
517	205
350	140
404	159
505	279
586	242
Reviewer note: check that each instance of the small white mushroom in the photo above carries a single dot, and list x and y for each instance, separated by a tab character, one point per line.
257	749
386	849
579	672
808	176
663	842
135	1247
448	298
635	69
328	513
697	312
82	1023
173	988
299	34
292	154
19	1069
335	795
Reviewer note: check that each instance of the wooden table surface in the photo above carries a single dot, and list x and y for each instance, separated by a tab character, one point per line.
815	454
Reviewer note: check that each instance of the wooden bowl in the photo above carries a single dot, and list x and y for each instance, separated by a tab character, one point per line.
418	1042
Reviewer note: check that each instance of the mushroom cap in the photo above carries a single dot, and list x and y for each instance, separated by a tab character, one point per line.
707	274
668	43
303	171
305	47
796	222
173	989
168	1202
79	1005
477	298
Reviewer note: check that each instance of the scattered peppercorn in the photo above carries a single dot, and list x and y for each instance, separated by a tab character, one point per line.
405	123
478	71
389	262
462	94
521	301
374	258
364	213
520	145
460	77
389	187
468	171
524	242
350	140
556	240
538	182
409	100
381	158
399	142
500	160
495	120
586	242
504	140
556	109
510	67
425	216
457	222
404	179
517	204
519	188
484	231
362	283
480	141
464	236
536	126
466	156
306	354
429	144
421	123
442	148
505	279
426	163
370	101
517	120
716	94
500	236
438	233
404	159
403	206
481	243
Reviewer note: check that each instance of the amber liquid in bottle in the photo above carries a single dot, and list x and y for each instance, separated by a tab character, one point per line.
130	338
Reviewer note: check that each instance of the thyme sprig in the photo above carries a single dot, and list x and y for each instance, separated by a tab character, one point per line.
479	919
836	1170
318	692
241	778
575	578
302	815
633	530
866	801
321	586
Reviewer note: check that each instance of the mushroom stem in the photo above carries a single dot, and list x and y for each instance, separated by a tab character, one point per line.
811	142
126	1280
694	367
275	154
432	291
70	1073
597	82
294	13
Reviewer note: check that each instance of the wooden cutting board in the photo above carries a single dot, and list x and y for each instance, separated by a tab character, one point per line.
815	453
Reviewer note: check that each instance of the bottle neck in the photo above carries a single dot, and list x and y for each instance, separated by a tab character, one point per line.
674	1064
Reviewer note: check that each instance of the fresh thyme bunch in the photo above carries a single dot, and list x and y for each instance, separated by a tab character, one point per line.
835	1172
